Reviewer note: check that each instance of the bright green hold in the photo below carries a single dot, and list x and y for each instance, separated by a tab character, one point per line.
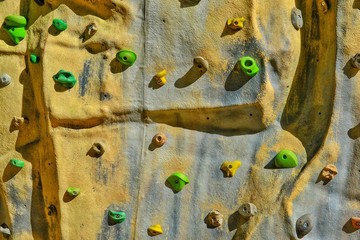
126	57
248	66
15	21
286	159
34	58
17	34
59	24
117	217
65	78
17	163
177	181
73	191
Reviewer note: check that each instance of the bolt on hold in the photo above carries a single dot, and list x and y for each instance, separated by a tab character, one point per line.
236	23
303	225
126	57
229	168
5	80
248	66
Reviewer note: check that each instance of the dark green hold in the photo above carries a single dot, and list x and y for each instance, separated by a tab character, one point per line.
65	78
126	57
117	217
34	58
59	24
17	163
286	159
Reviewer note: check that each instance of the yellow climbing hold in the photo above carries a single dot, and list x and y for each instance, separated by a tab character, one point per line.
236	23
160	78
155	230
229	168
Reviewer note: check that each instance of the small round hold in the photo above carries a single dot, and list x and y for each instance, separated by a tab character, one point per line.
303	225
159	139
98	148
91	29
19	122
201	64
5	80
248	210
355	61
215	218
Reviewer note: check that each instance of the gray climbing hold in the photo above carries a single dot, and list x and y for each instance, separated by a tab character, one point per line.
248	210
303	225
296	18
201	64
5	80
355	61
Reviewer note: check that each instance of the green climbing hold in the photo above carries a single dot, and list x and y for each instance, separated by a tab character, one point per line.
17	163
15	21
65	78
126	57
248	66
73	191
117	217
286	159
34	58
177	181
59	24
16	33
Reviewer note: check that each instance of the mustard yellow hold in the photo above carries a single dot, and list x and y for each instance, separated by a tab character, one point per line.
155	230
229	168
236	23
160	78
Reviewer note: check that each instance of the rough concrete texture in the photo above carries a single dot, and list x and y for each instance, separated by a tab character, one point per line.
305	98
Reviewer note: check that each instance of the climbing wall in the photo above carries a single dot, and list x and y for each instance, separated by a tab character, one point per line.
240	153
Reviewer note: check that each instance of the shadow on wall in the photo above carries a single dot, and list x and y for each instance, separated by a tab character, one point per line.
9	172
189	78
348	227
356	4
188	3
354	132
236	79
349	70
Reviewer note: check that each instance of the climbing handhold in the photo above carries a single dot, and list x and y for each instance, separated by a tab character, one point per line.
247	210
329	172
160	78
19	122
236	23
248	66
5	230
355	221
17	34
286	159
65	78
73	191
91	29
355	61
177	181
15	21
117	216
323	6
155	230
229	168
5	80
59	24
159	139
296	18
303	225
98	148
201	64
34	58
126	57
215	218
17	163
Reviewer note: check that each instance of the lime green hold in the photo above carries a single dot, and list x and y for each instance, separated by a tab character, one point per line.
17	163
117	217
248	66
177	181
73	191
65	78
126	57
17	34
15	21
286	159
59	24
34	58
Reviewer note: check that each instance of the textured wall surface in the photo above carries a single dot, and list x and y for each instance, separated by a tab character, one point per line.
305	98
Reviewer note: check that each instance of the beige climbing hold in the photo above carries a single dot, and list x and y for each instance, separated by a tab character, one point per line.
248	210
215	218
201	64
159	139
329	172
19	122
323	6
5	230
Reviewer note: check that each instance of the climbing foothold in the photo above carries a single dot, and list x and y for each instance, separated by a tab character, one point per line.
324	6
355	61
117	216
91	29
248	66
286	159
155	230
98	148
17	34
17	163
73	191
201	64
34	58
160	78
236	23
5	230
296	18
5	80
215	218
303	225
329	172
229	168
355	221
15	21
59	24
177	181
19	122
159	139
247	210
65	78
126	57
